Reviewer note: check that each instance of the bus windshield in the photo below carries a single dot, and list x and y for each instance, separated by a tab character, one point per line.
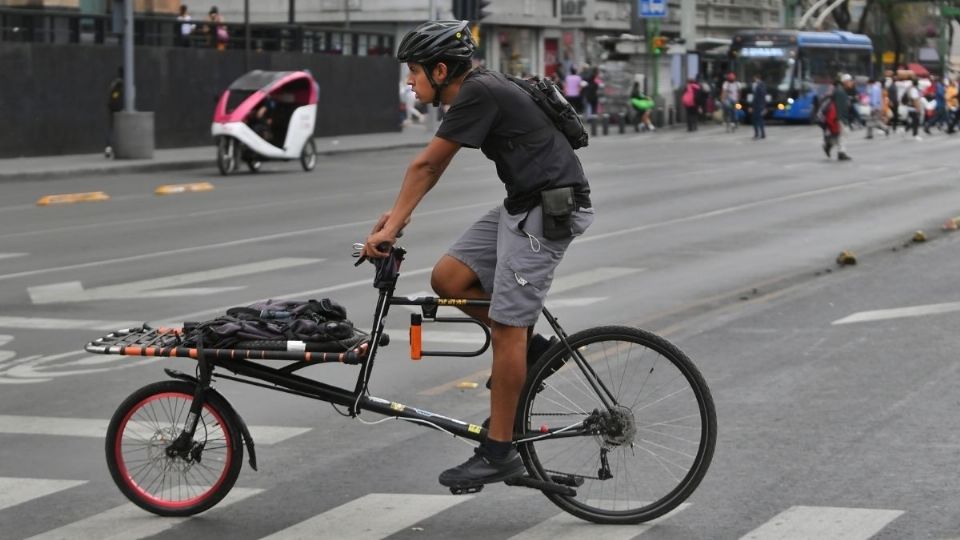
774	71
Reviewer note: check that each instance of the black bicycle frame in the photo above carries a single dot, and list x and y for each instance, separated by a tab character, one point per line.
285	380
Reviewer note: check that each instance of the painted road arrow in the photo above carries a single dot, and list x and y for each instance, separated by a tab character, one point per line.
73	291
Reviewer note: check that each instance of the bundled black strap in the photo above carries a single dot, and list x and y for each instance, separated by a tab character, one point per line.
548	97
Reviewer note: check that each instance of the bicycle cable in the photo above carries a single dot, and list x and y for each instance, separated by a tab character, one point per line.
418	421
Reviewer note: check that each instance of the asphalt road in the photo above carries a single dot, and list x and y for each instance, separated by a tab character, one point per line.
723	244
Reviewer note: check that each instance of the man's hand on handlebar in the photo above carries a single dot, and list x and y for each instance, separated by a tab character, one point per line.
381	239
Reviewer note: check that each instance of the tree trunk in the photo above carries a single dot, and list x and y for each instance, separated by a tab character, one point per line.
862	23
895	32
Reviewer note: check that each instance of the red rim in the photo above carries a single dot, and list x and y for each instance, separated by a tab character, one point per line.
143	493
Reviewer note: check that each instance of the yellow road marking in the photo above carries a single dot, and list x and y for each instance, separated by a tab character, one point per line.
172	189
67	198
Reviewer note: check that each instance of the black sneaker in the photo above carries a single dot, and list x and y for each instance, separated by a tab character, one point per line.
826	149
843	157
482	469
535	349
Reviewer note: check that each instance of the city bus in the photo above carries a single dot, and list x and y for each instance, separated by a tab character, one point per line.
797	66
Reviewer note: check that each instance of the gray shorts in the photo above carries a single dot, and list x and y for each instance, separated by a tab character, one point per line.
514	262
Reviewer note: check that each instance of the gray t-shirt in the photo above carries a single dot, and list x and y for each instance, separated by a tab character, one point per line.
493	114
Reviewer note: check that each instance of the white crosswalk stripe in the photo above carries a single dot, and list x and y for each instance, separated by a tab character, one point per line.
370	517
14	491
805	522
97	428
129	521
565	526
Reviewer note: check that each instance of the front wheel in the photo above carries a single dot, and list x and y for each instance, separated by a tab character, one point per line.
227	150
167	483
308	156
632	462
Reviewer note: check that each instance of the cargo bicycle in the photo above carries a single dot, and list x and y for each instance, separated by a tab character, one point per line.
614	424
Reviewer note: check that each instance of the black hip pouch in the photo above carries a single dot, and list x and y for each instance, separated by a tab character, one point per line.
557	205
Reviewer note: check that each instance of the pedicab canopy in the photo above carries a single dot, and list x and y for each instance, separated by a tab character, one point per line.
295	88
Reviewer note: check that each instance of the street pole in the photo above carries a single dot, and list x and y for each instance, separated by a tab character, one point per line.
246	35
129	102
292	13
346	14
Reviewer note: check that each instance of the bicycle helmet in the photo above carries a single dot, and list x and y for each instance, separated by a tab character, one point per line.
439	41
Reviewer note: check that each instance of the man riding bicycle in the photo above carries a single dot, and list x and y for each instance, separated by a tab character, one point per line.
509	254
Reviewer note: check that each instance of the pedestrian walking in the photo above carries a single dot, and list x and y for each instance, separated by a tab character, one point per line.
893	102
186	26
591	92
838	119
641	105
572	88
114	105
875	102
689	101
729	97
952	97
939	116
758	105
910	100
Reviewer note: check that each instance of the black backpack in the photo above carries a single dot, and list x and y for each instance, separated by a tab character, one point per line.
548	97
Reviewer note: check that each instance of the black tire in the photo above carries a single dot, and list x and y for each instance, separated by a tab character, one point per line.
142	428
227	150
655	462
308	156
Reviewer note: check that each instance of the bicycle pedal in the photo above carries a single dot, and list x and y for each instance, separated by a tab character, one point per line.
466	490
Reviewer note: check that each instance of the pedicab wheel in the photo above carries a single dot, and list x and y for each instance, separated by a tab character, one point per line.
226	155
308	157
254	165
143	428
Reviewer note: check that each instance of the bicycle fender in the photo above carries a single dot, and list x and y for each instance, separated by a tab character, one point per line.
244	430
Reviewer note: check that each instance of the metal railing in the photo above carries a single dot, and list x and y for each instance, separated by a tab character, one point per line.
71	27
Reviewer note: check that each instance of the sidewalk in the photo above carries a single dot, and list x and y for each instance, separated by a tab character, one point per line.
169	159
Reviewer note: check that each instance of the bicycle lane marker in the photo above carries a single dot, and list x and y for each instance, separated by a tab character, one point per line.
371	517
567	527
130	521
97	429
898	313
802	522
14	491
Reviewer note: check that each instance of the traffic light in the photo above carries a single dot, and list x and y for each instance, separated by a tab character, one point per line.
470	10
659	44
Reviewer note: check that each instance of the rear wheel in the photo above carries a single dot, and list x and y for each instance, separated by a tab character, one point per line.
227	149
308	156
637	460
173	483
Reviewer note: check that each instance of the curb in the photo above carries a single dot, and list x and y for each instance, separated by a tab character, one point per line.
108	168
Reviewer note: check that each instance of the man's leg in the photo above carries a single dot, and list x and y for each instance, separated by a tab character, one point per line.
451	278
509	374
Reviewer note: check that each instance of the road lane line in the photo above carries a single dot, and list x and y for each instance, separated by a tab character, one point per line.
129	521
567	527
230	243
11	255
805	522
370	517
898	313
97	428
14	491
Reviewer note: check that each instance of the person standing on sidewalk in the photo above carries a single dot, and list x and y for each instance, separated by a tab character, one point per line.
510	254
186	26
114	105
840	117
758	105
689	101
